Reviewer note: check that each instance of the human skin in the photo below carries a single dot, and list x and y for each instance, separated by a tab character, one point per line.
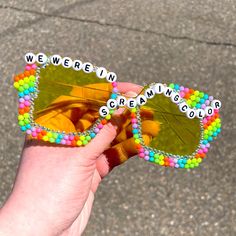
55	185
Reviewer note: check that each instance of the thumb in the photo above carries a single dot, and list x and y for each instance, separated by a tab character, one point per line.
100	143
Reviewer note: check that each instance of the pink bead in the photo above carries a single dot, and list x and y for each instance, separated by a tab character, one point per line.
182	94
205	150
141	155
34	66
28	67
133	120
204	121
27	103
114	84
186	90
68	142
208	118
38	130
22	105
200	151
100	126
34	134
141	150
71	138
172	164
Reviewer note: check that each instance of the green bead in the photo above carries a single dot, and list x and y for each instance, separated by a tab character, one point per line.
111	112
26	86
197	99
55	135
85	142
171	85
27	121
26	115
192	165
31	84
21	89
186	166
194	104
201	94
32	78
205	137
88	138
82	138
51	140
136	136
49	134
156	156
21	123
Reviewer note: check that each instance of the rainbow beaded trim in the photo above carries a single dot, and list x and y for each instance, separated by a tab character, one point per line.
26	84
210	128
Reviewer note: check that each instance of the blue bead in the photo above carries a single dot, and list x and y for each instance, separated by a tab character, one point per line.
92	135
180	161
219	130
151	154
60	136
151	159
198	106
26	92
202	100
28	126
210	139
205	142
31	89
21	94
215	134
181	165
23	128
184	161
58	140
206	96
135	131
114	96
176	87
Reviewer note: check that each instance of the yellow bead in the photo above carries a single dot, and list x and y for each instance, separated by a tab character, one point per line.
21	82
20	117
45	138
108	117
16	85
82	138
79	143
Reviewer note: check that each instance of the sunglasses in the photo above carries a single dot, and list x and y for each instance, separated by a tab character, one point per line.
53	90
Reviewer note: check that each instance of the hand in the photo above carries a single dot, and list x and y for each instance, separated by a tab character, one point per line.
55	185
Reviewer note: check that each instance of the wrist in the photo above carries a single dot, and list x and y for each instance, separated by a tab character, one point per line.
17	219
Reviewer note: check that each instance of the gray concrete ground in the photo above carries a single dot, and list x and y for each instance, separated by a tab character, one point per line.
188	42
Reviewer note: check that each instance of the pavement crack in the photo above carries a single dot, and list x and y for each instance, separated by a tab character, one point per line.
106	24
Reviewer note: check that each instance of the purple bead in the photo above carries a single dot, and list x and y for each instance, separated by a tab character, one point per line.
135	126
202	146
181	88
66	137
146	158
146	152
21	100
176	165
28	131
211	98
207	102
115	90
27	97
208	145
96	130
63	141
203	106
175	160
33	129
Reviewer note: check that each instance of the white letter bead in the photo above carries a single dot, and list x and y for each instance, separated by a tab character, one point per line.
41	58
87	67
103	111
216	104
159	88
191	113
101	72
141	100
131	103
200	113
77	65
183	107
175	97
30	58
209	111
168	92
56	60
66	62
111	77
121	100
149	93
111	103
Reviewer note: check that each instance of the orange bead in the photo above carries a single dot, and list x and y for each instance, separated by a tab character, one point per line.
21	111
21	76
187	96
191	91
76	138
43	132
73	143
40	136
138	146
32	71
104	121
27	73
16	78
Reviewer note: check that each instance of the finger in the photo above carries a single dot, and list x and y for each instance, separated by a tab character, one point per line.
100	143
124	87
